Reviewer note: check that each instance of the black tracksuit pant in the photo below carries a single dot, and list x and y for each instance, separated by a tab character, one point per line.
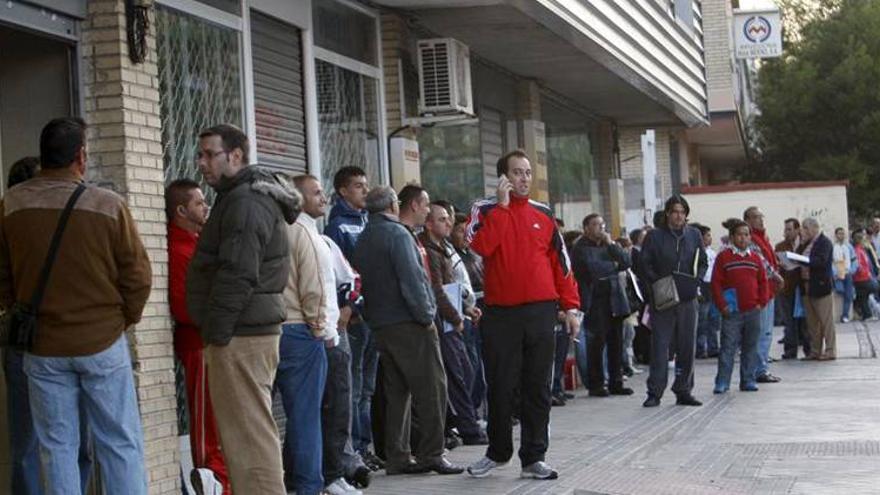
604	330
518	345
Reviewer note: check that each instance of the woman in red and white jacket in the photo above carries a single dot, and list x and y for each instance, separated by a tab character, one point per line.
740	289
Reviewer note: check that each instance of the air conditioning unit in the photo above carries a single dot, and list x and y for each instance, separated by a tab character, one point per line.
444	78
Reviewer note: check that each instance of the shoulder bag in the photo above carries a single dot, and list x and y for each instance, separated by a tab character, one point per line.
18	326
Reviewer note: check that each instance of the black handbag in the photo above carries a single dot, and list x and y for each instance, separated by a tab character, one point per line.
18	328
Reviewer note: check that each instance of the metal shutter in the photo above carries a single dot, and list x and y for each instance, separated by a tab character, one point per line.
278	94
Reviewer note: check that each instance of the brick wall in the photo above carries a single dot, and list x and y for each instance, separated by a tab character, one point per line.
125	149
631	156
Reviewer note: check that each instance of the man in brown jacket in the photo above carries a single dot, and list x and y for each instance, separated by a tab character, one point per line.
459	372
795	325
98	287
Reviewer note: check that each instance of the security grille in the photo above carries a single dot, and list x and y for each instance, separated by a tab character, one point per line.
348	121
199	86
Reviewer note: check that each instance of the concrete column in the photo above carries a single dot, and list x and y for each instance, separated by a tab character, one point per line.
125	146
605	170
532	136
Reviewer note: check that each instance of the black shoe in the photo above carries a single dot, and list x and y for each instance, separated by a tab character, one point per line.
410	468
713	355
789	356
651	401
442	466
557	401
687	400
599	392
768	378
373	461
452	442
701	355
780	341
621	390
360	478
480	439
567	395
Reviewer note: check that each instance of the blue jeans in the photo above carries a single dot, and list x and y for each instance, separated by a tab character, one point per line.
104	384
473	340
707	328
364	360
24	448
302	374
581	354
765	339
849	294
739	331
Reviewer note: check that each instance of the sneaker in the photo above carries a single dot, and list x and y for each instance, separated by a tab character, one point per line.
844	319
204	482
481	468
341	487
538	471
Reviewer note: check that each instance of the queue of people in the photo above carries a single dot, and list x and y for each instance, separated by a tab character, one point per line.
403	328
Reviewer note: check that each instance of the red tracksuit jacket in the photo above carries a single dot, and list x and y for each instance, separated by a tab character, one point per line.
523	252
181	247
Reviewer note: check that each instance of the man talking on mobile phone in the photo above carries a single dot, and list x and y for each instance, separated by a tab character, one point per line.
527	277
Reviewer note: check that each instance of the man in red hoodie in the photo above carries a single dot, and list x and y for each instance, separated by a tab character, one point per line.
527	278
754	217
187	212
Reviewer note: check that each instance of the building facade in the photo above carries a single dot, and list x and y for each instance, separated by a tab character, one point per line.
599	93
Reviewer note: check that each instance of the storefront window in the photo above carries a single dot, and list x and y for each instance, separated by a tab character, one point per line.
199	85
574	189
348	106
346	31
452	168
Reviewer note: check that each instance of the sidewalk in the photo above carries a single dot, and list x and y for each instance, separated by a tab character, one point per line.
817	432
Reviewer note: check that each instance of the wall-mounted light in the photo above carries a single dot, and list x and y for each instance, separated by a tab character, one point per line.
137	26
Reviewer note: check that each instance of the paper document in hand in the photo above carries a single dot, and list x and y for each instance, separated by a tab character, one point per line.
453	292
798	258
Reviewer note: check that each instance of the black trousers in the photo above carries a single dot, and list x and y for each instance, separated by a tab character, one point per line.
339	456
412	375
673	331
518	345
459	384
563	341
604	330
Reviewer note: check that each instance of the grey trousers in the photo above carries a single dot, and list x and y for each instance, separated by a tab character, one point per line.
676	327
340	459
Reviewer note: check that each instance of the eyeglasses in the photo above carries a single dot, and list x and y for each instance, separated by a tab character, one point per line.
210	155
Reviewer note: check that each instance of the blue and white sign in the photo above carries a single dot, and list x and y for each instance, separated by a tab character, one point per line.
757	33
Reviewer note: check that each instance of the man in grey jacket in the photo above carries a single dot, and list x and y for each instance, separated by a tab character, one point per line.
400	307
234	295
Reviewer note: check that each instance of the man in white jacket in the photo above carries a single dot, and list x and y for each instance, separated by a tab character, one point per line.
309	329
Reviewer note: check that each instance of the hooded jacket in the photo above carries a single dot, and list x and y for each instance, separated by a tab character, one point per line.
344	226
238	273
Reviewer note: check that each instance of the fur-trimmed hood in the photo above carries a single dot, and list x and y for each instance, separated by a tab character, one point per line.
272	184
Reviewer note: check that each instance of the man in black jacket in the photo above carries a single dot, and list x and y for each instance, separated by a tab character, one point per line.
234	295
674	249
597	261
400	308
818	282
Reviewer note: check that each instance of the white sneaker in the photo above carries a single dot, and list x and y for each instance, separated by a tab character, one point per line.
539	471
204	482
481	468
341	487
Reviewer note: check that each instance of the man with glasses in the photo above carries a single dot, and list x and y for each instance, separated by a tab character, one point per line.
234	296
